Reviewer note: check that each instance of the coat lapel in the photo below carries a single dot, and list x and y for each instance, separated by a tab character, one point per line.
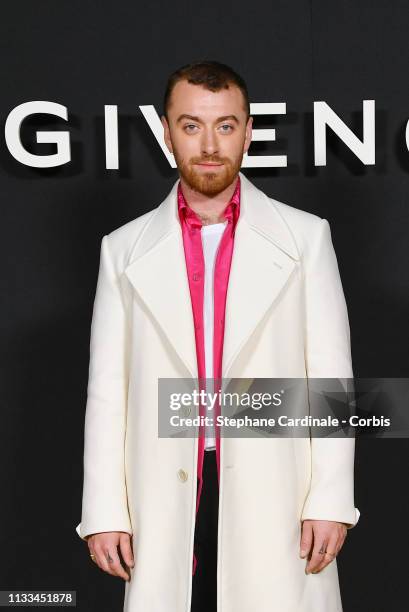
264	257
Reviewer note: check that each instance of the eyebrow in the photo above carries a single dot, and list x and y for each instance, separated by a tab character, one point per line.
224	118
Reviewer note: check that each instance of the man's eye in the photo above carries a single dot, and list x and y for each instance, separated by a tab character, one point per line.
226	125
190	125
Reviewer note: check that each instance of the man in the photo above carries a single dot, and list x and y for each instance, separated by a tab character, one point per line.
218	280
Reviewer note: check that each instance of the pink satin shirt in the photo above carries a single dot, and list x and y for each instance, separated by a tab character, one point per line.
192	242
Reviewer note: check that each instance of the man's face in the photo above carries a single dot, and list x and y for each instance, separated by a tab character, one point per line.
208	133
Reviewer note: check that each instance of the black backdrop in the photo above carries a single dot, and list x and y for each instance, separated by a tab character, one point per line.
86	54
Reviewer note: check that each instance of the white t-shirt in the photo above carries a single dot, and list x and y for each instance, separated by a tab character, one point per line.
211	236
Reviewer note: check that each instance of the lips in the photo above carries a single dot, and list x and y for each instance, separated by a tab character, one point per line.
209	164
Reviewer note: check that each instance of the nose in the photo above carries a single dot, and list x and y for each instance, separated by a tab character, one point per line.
209	142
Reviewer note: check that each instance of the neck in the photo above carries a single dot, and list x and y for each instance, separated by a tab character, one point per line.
209	209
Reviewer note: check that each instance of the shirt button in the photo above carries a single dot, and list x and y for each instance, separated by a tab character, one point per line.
182	475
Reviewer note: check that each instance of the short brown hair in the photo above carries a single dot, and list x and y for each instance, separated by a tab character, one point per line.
210	74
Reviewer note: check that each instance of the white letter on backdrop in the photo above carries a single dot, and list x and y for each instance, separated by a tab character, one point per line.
364	150
111	137
265	161
60	138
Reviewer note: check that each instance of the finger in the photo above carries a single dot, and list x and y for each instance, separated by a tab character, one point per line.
342	534
92	554
126	549
306	539
343	538
320	545
112	558
331	552
101	560
93	551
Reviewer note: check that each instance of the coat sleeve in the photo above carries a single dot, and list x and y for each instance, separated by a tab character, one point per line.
104	499
328	355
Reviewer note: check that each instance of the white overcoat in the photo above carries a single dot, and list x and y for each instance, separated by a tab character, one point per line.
286	317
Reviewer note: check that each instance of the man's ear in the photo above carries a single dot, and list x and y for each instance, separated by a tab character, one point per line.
249	134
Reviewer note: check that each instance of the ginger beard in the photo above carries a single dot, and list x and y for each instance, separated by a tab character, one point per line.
208	181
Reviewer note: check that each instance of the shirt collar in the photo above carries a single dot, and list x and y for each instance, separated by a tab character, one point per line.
231	212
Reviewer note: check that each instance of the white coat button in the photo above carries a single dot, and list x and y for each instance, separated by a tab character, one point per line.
182	475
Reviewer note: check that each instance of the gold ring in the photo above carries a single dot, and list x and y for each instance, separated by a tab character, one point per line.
92	557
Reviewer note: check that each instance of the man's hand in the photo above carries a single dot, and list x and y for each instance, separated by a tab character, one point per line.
105	548
318	537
